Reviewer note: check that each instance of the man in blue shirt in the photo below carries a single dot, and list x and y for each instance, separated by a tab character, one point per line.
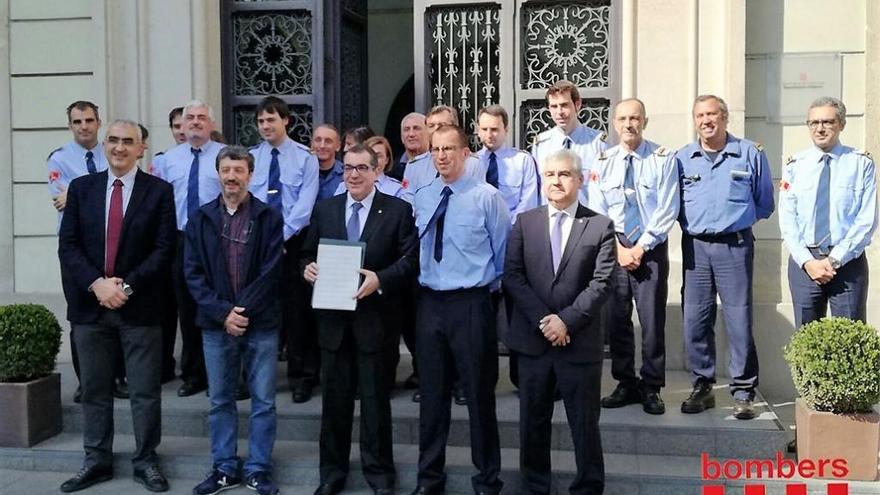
827	215
463	225
414	136
286	178
326	144
726	187
636	184
189	167
564	103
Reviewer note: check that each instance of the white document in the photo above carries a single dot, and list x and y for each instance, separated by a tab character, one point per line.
338	277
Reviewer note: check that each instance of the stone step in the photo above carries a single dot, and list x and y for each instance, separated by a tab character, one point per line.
627	430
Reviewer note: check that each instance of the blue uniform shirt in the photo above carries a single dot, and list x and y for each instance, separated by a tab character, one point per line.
421	171
655	171
385	185
474	235
728	194
299	182
69	162
517	178
586	142
853	200
174	169
328	183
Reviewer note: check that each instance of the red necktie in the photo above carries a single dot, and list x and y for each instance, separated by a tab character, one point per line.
114	227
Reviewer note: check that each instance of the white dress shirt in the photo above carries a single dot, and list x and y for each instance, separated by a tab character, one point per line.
363	212
569	212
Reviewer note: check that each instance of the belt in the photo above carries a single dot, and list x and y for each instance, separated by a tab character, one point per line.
452	292
623	240
730	237
820	253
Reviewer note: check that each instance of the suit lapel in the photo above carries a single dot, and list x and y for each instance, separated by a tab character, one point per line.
374	216
138	191
579	224
338	224
100	185
544	226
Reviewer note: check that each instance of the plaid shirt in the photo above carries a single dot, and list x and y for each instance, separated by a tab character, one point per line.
235	236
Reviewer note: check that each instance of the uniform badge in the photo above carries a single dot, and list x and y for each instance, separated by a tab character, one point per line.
661	151
594	176
790	159
603	137
405	184
54	175
863	153
759	146
784	185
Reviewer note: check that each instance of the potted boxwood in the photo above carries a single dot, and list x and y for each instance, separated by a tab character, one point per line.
30	390
835	365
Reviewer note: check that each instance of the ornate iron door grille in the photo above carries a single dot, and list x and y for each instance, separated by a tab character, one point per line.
510	51
271	47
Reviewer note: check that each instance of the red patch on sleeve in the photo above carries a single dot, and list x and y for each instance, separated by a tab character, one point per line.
594	176
784	185
54	175
405	184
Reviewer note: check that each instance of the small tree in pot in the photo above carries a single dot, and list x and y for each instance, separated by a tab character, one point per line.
30	391
835	366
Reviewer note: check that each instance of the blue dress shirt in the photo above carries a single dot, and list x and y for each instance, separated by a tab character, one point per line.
656	190
517	178
853	202
728	194
328	183
474	234
421	171
69	162
299	182
385	185
586	142
174	169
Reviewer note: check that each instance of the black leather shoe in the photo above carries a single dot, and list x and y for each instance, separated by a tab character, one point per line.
744	409
417	396
302	393
460	397
383	491
86	477
330	488
653	404
242	393
422	490
78	395
191	387
701	398
411	382
622	396
151	478
167	377
120	389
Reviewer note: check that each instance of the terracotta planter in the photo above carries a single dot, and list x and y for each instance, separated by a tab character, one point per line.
30	412
854	437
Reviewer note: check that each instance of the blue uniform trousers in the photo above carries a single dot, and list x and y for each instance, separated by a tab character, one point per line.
720	265
647	284
847	292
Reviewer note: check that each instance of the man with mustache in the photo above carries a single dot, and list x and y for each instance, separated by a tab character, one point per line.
636	184
187	167
232	266
726	187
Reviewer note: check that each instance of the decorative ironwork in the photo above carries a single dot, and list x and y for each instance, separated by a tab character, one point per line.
535	118
565	41
299	128
352	75
355	6
464	47
272	53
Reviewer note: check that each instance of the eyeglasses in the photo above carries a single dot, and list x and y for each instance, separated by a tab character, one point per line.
114	141
814	124
361	169
443	149
242	238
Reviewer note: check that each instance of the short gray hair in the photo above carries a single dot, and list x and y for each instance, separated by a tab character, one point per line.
128	123
566	156
195	103
830	101
721	103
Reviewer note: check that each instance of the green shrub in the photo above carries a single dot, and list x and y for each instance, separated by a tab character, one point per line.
835	365
30	337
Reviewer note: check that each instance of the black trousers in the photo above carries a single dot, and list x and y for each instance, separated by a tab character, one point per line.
406	328
169	331
99	345
192	357
298	319
346	371
579	384
647	285
846	293
456	332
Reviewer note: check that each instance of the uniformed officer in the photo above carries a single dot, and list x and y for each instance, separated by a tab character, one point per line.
827	215
511	171
326	144
636	184
414	136
79	157
463	225
189	167
384	183
564	103
726	187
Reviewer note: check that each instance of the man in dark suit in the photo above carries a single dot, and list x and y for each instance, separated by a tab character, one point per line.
355	345
115	246
557	273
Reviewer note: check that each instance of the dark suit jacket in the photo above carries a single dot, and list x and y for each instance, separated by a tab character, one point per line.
575	293
146	247
391	252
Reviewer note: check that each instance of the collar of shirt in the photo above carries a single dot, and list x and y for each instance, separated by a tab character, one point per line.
816	153
283	148
242	207
96	150
366	202
503	151
458	186
731	147
127	179
570	210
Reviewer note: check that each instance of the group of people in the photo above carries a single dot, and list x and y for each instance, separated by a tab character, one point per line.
559	243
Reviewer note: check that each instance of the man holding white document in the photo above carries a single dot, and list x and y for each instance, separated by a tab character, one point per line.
378	230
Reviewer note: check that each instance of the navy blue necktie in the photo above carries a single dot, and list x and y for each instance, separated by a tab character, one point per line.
631	219
567	143
492	171
438	219
90	162
822	221
353	227
274	194
192	188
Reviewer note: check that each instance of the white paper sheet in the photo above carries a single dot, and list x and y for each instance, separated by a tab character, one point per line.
338	277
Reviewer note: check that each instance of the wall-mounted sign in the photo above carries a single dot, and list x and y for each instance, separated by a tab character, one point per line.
794	80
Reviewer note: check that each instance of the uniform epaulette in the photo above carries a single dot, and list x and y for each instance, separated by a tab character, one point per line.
159	154
302	146
603	137
759	146
52	153
252	148
392	179
863	153
602	155
538	139
790	159
661	151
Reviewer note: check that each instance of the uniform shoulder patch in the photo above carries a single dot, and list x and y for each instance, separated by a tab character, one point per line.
603	137
759	146
539	138
790	159
56	150
661	151
863	153
252	148
602	155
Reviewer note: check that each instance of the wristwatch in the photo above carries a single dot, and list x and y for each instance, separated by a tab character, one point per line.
835	263
126	289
